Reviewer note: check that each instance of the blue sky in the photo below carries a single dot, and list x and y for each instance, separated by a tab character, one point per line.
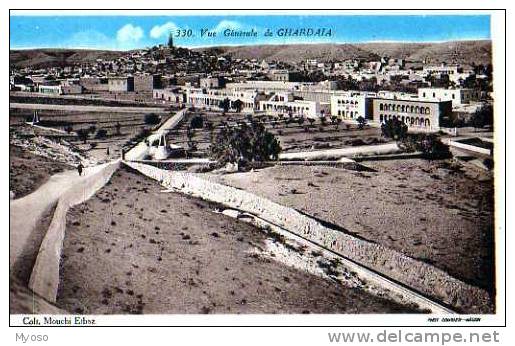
129	32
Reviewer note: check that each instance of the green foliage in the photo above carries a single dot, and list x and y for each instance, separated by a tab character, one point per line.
244	144
483	116
394	129
118	127
430	145
101	133
361	122
197	122
83	134
225	104
152	119
237	105
489	163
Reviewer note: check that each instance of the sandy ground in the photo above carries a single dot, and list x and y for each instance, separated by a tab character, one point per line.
28	171
416	207
23	301
133	248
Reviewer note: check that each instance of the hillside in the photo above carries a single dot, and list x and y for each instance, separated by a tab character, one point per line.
40	58
464	52
299	52
479	52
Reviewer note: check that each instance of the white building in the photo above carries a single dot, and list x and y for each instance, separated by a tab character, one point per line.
457	96
284	103
265	86
50	89
211	98
352	104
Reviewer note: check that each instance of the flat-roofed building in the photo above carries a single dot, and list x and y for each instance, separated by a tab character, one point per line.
72	89
285	103
146	83
264	86
414	113
212	82
175	96
458	97
211	98
94	84
352	105
50	89
442	69
121	84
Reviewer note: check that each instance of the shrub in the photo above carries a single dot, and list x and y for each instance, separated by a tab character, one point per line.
83	134
197	122
101	133
361	122
152	119
429	144
489	163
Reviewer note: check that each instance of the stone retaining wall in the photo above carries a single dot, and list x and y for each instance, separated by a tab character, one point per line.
418	275
44	279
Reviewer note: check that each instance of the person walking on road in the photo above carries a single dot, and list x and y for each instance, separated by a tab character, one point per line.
80	167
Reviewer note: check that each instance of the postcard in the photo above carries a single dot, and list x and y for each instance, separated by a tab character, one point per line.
256	169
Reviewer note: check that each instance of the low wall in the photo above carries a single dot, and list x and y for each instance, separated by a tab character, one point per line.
333	154
469	147
44	279
421	276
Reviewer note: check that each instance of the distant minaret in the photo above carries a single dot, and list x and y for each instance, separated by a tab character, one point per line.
170	40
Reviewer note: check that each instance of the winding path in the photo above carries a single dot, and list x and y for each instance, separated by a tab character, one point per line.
64	190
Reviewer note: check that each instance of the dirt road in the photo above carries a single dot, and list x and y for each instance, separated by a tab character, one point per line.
25	213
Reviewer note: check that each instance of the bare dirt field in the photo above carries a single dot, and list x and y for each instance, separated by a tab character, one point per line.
291	135
133	248
28	171
422	209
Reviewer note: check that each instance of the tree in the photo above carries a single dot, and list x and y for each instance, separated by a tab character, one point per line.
190	133
152	119
394	129
225	104
361	122
118	129
429	145
237	105
483	116
197	122
311	121
83	135
244	144
338	122
101	133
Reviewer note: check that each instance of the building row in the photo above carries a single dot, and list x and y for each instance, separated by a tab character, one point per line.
427	109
